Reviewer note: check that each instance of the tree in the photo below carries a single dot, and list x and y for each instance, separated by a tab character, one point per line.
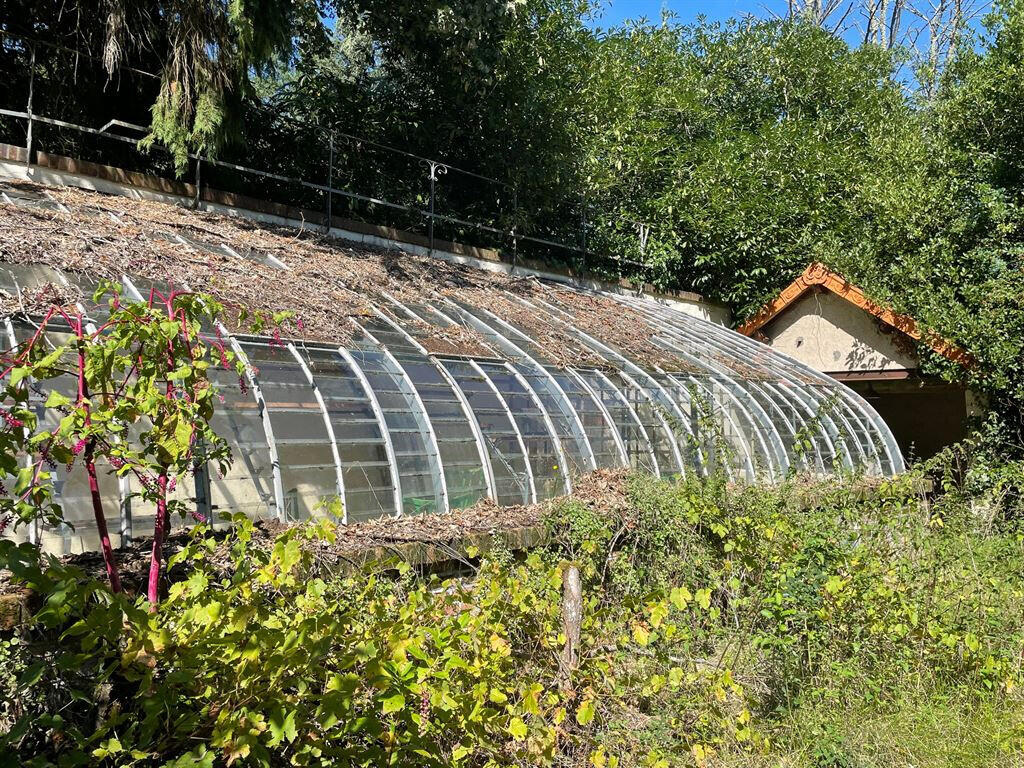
204	53
749	149
141	400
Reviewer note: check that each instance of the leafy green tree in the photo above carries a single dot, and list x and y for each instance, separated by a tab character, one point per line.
140	399
204	52
748	148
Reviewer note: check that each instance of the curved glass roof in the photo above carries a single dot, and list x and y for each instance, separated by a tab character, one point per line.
438	399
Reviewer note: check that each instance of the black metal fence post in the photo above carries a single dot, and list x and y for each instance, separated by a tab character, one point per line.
28	109
515	226
330	182
199	181
435	169
583	244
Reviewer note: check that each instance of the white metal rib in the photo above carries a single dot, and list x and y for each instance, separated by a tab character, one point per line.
576	423
389	448
661	420
33	533
779	451
682	334
556	441
623	363
798	392
339	479
515	428
474	425
636	419
616	434
436	462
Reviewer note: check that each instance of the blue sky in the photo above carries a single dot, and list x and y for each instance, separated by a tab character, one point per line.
616	11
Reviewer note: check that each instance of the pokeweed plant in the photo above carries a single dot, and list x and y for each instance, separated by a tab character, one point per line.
140	398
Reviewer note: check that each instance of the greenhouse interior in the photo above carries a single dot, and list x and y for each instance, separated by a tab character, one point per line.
409	385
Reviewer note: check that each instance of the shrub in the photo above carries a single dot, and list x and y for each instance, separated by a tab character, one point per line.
720	624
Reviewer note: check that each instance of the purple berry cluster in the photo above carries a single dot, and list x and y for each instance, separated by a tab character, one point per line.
44	454
424	708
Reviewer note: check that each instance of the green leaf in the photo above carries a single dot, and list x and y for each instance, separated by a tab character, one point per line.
275	722
32	675
395	703
586	712
680	597
704	598
517	728
641	634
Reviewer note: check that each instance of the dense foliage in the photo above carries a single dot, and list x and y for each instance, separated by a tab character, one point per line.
824	625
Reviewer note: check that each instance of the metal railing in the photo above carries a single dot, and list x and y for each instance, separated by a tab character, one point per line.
506	230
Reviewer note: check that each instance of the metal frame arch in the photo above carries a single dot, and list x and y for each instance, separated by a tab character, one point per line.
784	367
661	419
460	396
12	339
616	434
753	410
624	363
435	462
555	439
678	379
474	426
515	427
738	383
261	403
758	391
759	425
257	392
636	420
812	407
579	433
771	395
575	422
385	433
758	431
674	326
339	480
778	365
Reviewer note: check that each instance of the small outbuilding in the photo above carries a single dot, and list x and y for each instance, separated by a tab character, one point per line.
827	323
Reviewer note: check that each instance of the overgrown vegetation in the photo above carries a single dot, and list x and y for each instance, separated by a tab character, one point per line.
810	624
129	398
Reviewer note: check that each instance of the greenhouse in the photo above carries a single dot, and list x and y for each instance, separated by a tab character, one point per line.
410	385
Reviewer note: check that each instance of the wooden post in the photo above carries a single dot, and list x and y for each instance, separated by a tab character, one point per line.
572	619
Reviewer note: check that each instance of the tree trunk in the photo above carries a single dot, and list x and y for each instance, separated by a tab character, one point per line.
159	531
101	519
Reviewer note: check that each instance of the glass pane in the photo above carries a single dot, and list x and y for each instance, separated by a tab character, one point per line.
308	476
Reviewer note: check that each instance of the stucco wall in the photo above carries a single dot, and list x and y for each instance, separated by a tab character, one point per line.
831	335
